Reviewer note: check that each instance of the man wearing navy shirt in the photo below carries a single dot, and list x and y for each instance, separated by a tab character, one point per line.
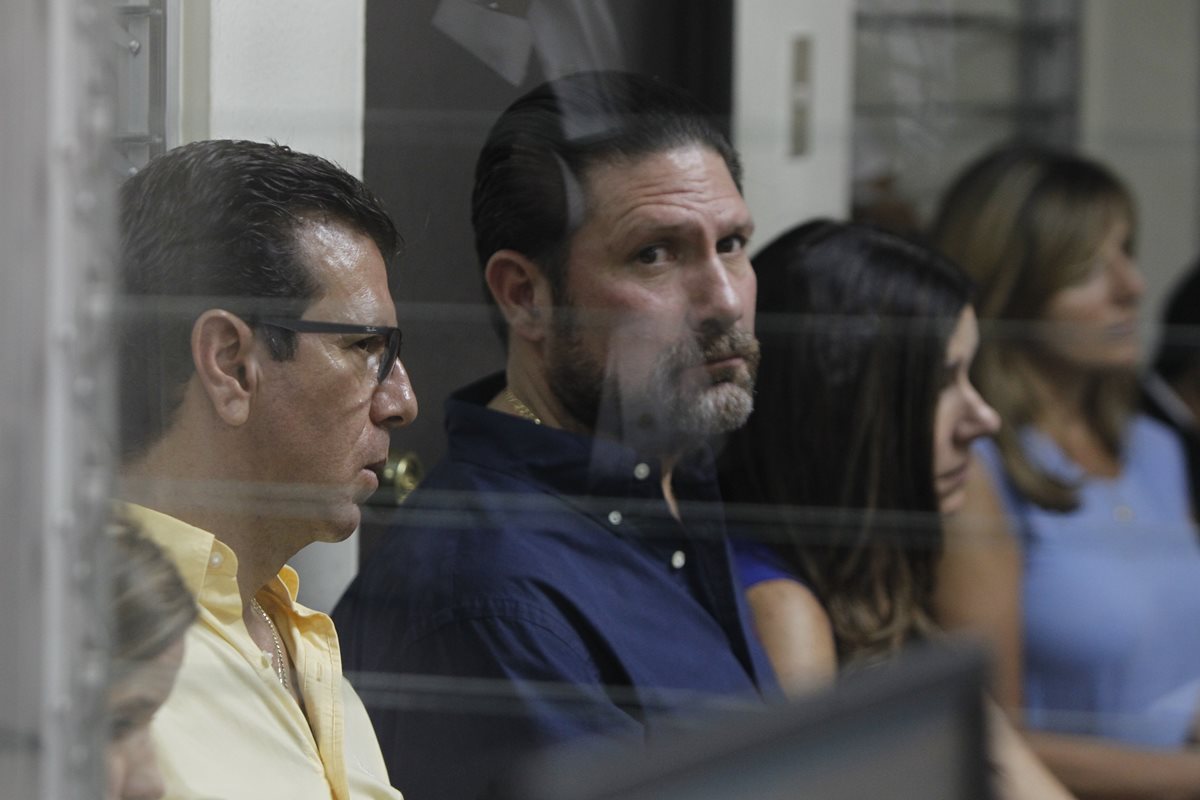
568	556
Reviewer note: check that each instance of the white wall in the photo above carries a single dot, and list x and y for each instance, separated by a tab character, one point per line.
1141	115
782	189
288	70
292	71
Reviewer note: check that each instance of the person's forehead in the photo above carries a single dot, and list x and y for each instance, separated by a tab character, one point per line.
673	184
332	246
346	264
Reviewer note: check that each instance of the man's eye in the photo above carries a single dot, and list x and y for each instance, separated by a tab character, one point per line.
732	244
652	255
371	344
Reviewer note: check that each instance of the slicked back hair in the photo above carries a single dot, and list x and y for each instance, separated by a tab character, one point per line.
215	224
532	171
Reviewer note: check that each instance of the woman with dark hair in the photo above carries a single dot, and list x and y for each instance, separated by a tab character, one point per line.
150	613
1076	555
863	418
859	441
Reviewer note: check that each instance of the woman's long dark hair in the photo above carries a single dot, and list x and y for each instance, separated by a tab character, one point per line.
835	465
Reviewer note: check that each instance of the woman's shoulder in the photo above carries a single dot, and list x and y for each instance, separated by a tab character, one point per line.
1152	449
1144	431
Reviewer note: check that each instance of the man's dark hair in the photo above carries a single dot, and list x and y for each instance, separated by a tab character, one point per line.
214	224
1179	349
529	178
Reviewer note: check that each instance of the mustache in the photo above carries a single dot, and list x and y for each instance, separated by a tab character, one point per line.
731	343
708	347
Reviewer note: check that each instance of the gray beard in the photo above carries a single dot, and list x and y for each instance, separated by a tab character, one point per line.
665	415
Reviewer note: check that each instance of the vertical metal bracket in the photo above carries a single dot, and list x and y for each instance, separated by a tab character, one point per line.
139	37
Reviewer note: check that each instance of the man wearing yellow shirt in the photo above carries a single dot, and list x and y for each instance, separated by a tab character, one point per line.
260	376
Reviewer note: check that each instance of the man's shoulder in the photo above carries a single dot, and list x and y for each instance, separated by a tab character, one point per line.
468	526
473	543
477	475
489	509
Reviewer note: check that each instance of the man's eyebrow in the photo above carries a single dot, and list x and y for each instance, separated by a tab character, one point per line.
744	226
648	227
660	227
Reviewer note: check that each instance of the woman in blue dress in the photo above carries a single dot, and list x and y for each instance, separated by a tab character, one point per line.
1076	553
859	441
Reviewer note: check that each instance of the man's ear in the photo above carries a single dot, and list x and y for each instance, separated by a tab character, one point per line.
223	354
522	293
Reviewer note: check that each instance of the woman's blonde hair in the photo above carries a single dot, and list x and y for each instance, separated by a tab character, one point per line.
151	608
1026	222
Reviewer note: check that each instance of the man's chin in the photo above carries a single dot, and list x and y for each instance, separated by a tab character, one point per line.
732	403
720	408
340	526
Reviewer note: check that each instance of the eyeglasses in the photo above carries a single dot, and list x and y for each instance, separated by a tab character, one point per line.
381	340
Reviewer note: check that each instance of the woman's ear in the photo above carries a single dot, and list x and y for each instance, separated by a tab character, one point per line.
522	293
225	361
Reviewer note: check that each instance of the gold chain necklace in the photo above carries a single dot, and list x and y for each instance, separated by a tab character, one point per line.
521	409
281	668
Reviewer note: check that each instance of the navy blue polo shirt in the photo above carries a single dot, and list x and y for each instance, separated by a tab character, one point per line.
536	588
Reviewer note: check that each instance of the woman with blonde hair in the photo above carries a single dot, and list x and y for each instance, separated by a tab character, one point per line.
150	612
1075	555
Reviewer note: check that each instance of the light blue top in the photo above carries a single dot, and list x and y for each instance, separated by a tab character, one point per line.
1111	593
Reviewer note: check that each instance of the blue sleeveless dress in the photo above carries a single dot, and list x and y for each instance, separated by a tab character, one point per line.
1111	593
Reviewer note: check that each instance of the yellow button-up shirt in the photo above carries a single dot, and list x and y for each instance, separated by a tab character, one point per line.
229	730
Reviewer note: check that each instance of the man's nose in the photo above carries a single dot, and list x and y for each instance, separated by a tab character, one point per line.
395	402
721	292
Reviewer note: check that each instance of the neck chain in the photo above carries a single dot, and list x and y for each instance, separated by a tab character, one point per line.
281	666
522	410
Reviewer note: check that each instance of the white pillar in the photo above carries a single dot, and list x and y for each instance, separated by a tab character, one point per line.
774	106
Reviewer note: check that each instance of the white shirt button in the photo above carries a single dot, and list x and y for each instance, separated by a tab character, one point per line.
614	517
1123	513
641	471
678	559
216	560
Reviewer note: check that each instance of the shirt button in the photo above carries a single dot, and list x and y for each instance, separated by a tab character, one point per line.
614	517
641	471
678	559
1123	513
216	560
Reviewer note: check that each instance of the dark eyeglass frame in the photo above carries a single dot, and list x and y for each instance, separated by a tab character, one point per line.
392	336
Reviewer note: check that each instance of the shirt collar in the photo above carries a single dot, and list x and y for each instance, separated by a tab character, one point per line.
207	565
